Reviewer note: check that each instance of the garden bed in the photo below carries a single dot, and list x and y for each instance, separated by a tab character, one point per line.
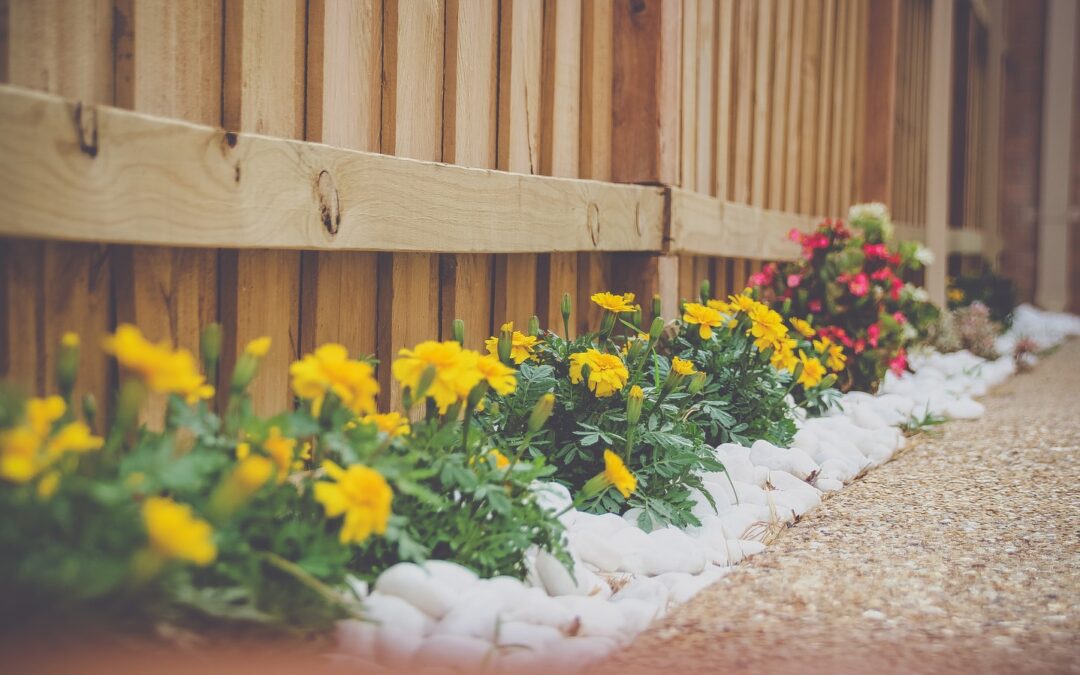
625	578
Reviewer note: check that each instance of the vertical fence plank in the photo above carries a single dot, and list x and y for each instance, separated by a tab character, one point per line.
49	288
645	123
560	146
792	138
470	103
780	106
704	173
880	102
170	293
744	123
724	77
762	105
263	93
936	171
811	90
825	109
841	107
344	63
688	105
520	68
413	32
597	54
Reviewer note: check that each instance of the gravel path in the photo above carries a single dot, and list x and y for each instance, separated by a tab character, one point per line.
962	555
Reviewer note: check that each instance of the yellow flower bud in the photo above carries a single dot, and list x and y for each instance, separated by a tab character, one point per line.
258	347
634	401
541	412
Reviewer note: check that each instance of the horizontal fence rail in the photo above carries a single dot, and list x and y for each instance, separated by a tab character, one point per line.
96	173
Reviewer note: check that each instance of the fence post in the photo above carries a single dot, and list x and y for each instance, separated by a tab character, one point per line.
1051	287
937	141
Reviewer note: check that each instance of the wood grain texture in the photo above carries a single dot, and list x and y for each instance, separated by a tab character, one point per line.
826	111
704	126
646	95
171	294
264	94
413	35
793	138
780	106
811	68
742	161
692	63
560	143
706	225
938	112
64	47
339	289
725	59
520	133
159	181
470	114
762	104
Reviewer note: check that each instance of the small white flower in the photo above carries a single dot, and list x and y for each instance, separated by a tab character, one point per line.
869	211
909	332
921	295
924	256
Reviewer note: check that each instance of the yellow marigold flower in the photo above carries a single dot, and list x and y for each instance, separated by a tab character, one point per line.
706	318
956	295
812	372
72	437
521	345
804	327
783	357
836	360
391	423
243	449
281	449
682	366
330	370
359	493
501	462
70	340
258	347
19	460
766	326
499	376
615	303
166	371
48	484
455	370
174	532
616	473
720	306
41	413
742	303
607	372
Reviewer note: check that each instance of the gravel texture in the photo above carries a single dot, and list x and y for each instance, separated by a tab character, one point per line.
961	555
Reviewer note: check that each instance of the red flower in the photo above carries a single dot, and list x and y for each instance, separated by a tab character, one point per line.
899	317
814	305
860	285
793	280
882	274
873	332
795	235
898	364
897	284
860	346
875	251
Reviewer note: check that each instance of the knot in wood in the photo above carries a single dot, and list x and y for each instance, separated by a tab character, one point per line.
592	221
86	128
329	205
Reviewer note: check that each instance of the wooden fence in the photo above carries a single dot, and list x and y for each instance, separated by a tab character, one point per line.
736	120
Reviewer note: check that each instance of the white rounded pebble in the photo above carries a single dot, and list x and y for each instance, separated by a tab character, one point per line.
537	607
643	588
596	617
400	627
457	576
412	583
530	636
457	651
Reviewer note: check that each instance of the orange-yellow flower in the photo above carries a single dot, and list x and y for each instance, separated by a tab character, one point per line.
607	372
164	370
615	303
455	370
174	532
521	345
359	493
706	318
330	370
